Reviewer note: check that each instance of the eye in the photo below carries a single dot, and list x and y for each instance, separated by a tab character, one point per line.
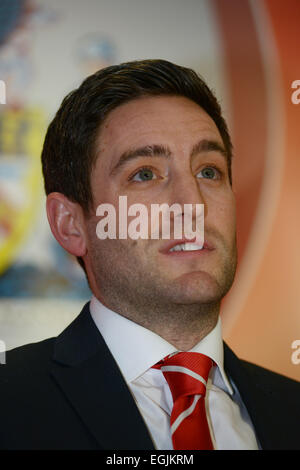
143	174
209	172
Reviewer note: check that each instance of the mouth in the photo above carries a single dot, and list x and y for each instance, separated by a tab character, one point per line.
182	247
186	247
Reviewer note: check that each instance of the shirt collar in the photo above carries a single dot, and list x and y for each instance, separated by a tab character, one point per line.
136	348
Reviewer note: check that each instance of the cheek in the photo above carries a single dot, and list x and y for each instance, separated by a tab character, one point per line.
228	217
221	212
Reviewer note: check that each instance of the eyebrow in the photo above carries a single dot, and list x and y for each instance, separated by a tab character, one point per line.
146	151
202	146
206	145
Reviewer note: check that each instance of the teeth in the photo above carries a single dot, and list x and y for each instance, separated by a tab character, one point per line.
186	247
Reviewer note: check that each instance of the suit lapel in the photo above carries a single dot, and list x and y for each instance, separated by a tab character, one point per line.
260	402
91	380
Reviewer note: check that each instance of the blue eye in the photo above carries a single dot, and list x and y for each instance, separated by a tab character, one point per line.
209	172
144	174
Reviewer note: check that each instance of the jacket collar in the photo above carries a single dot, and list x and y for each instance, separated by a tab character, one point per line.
263	402
91	380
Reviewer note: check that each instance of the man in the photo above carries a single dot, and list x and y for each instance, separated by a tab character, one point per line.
144	365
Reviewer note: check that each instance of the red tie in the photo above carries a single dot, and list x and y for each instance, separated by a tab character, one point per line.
186	374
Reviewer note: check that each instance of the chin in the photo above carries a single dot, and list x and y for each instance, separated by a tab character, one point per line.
197	287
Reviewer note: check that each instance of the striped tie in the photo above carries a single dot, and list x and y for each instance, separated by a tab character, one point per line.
186	374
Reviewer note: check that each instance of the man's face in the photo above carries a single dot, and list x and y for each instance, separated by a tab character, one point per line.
188	168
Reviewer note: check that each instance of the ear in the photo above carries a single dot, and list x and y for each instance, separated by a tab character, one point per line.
66	221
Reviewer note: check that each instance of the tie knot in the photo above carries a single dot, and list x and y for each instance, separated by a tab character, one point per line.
186	373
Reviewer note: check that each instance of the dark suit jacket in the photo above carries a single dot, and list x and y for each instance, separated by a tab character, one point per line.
68	393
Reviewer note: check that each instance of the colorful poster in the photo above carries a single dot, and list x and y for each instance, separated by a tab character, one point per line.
247	52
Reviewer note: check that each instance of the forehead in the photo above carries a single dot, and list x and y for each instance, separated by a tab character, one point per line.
162	119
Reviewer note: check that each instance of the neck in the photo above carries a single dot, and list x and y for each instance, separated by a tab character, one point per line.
183	326
185	337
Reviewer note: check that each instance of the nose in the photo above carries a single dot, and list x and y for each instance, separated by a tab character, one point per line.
187	193
186	190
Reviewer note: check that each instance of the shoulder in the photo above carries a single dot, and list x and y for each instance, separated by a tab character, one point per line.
26	362
37	358
258	375
260	385
32	351
271	378
271	399
274	383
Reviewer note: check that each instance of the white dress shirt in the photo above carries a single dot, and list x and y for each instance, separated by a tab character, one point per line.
136	349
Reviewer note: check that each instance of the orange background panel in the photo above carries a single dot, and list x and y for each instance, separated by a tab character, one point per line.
269	320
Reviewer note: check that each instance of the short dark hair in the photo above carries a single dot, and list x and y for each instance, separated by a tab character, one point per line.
69	150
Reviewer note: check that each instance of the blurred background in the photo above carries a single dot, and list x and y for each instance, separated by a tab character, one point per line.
248	52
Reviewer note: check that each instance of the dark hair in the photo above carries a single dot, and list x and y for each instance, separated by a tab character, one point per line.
68	152
69	149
